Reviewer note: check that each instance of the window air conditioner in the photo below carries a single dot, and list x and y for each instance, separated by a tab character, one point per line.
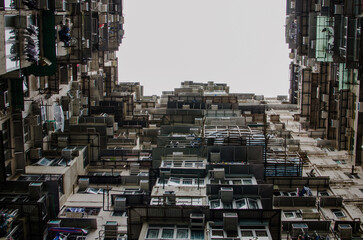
120	204
226	194
197	219
230	221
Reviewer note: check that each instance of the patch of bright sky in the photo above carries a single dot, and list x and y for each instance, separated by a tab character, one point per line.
238	42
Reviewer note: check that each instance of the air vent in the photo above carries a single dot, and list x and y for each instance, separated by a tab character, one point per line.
197	219
226	194
120	204
230	221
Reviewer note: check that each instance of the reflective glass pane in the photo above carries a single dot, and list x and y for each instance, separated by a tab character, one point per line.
152	233
252	204
215	204
197	235
167	233
261	234
241	204
247	233
182	233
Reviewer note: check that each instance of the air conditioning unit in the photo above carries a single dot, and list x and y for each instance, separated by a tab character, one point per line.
226	194
83	183
35	120
165	173
62	142
197	219
109	131
120	204
84	6
345	231
299	229
111	230
21	22
214	107
338	9
144	185
35	153
67	153
348	132
177	154
84	68
326	3
54	223
84	100
134	168
325	97
317	7
35	190
305	40
218	173
324	114
169	197
349	113
334	123
74	120
60	5
230	221
104	8
86	43
215	157
6	99
310	213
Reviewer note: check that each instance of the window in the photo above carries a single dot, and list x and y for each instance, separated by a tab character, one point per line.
94	190
167	233
227	205
167	164
244	233
324	193
6	139
215	204
189	201
241	204
197	235
182	233
187	181
337	161
178	164
247	181
292	214
188	164
175	181
162	181
152	233
26	129
170	231
247	233
217	233
247	203
338	213
261	233
286	194
252	203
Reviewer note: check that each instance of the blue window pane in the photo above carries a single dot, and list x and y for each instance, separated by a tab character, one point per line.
197	234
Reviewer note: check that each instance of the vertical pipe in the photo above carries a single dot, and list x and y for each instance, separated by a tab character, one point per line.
2	161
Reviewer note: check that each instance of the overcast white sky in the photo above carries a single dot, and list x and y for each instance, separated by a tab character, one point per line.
238	42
